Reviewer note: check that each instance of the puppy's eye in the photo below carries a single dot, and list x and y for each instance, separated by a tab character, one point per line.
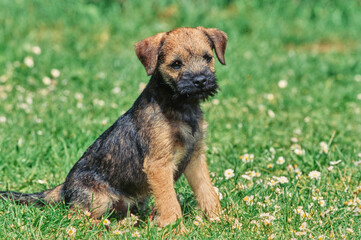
208	58
176	64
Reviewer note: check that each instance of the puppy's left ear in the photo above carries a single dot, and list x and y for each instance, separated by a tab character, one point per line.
219	41
147	51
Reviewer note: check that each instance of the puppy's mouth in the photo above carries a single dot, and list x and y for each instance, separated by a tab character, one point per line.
199	86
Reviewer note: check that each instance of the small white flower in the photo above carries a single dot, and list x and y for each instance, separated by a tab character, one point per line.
282	179
247	177
272	183
46	80
229	173
299	151
55	73
136	234
271	113
280	160
117	232
215	101
87	213
359	96
106	222
349	230
324	147
2	119
357	163
116	90
322	203
330	168
71	231
282	83
314	175
29	61
303	226
357	77
196	223
247	158
36	50
335	162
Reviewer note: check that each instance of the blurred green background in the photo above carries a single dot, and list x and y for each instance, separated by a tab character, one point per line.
47	121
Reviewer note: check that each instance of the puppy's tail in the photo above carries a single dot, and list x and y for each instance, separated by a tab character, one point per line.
38	199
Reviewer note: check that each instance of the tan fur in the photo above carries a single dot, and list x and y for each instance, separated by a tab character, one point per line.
198	177
159	167
54	194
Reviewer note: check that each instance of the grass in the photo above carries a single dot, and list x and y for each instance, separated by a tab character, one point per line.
47	123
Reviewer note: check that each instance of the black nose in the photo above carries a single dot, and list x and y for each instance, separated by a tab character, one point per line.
200	81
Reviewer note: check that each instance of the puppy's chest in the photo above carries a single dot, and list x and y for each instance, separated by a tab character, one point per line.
185	142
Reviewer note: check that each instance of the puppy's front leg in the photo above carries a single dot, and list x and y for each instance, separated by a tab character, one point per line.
198	177
160	179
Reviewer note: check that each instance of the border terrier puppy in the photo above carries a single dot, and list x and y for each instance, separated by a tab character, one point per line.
160	137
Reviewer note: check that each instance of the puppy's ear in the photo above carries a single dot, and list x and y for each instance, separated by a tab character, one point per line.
147	51
219	41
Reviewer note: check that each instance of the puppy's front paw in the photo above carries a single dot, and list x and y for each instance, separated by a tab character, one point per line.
164	221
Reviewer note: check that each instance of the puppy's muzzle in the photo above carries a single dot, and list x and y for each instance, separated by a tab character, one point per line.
200	81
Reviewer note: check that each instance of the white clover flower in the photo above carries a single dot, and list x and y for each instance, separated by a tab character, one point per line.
215	101
2	119
269	96
357	77
324	147
46	80
314	175
36	50
55	73
116	90
29	61
271	113
282	83
280	160
229	173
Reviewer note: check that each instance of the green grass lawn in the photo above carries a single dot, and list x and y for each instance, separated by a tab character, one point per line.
286	125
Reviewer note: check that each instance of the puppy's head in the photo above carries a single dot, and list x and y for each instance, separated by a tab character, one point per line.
184	58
